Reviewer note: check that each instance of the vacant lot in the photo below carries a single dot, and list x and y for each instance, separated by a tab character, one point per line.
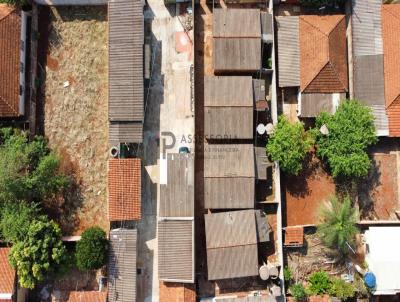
75	110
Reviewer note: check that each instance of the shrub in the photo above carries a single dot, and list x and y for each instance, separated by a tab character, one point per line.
289	145
39	254
351	131
298	292
341	289
287	274
338	227
319	283
91	250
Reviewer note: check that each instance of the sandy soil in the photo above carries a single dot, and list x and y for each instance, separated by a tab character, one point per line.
75	112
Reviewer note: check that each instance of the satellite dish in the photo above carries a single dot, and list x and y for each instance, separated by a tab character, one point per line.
261	129
269	128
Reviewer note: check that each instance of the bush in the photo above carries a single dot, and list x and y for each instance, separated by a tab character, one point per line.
298	292
351	131
341	289
39	254
319	283
91	250
287	274
289	145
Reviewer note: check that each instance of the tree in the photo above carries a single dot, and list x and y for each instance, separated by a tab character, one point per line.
39	254
91	250
319	283
18	3
338	227
289	144
350	131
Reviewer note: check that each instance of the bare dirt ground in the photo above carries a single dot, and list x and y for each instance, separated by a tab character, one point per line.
75	111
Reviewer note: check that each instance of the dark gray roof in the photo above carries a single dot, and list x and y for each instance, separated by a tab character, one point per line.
229	108
259	89
262	162
125	132
231	240
236	22
126	31
229	176
177	196
244	54
313	104
288	51
176	250
122	265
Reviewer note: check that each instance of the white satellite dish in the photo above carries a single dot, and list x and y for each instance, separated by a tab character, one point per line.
261	129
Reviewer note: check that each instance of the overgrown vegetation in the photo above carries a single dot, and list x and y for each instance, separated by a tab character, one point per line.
17	3
298	292
287	274
338	227
341	289
319	283
351	130
91	250
289	144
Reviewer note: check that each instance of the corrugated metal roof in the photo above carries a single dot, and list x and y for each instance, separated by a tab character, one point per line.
244	54
236	22
312	104
367	27
224	91
175	250
288	51
231	240
126	35
125	132
259	89
122	265
177	196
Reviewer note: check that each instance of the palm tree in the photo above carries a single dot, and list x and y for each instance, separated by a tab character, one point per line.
338	227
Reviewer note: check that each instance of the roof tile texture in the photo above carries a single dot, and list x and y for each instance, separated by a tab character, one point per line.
87	296
10	43
323	56
7	273
391	58
294	236
124	189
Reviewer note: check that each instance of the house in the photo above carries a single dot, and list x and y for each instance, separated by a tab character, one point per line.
391	59
124	189
236	32
125	75
228	107
13	26
87	296
9	288
229	176
367	45
312	55
176	221
231	239
122	265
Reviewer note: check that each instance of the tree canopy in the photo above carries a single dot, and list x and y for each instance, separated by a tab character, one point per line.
91	250
338	226
351	130
289	144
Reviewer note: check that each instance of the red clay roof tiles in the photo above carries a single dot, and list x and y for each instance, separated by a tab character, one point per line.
7	273
124	189
391	58
323	56
294	236
87	296
10	43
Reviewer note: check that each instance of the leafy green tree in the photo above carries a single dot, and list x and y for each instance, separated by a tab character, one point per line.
91	250
39	254
341	289
289	144
338	227
15	2
351	130
298	292
319	283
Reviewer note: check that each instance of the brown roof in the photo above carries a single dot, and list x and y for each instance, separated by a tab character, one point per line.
294	236
124	189
323	55
177	292
7	275
236	22
391	58
10	44
87	296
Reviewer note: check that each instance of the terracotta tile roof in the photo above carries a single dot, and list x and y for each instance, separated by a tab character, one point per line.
391	58
323	55
87	296
177	292
10	44
7	273
124	191
294	236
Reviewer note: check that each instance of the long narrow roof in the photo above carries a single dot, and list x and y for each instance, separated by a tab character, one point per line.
323	55
391	46
176	250
236	22
10	47
125	132
122	265
231	240
126	36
